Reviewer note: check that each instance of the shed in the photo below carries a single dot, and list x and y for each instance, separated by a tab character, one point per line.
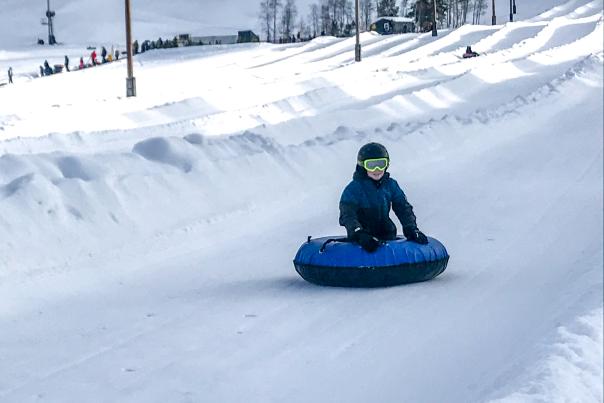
393	25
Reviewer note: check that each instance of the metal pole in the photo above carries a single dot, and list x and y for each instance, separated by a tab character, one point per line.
511	12
514	6
494	18
357	46
434	32
130	81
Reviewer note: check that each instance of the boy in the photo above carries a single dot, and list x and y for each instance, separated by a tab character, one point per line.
365	202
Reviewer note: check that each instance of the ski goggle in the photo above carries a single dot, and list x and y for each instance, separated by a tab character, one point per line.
375	164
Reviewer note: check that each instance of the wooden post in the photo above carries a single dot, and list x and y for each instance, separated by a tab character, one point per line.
357	46
130	81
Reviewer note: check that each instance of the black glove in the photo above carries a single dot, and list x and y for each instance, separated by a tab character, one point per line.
416	236
368	242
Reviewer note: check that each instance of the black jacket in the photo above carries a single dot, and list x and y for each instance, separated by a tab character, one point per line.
366	203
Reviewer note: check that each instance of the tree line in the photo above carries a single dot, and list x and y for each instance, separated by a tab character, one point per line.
281	21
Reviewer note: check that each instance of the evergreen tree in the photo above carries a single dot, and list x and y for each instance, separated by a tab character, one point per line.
423	10
387	8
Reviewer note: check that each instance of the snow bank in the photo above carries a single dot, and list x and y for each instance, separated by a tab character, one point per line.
572	372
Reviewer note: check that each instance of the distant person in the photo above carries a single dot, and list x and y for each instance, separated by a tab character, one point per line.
93	57
103	55
81	66
47	69
117	54
10	75
135	47
469	53
41	71
66	62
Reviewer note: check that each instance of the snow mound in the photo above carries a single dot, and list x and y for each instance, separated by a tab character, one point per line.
170	151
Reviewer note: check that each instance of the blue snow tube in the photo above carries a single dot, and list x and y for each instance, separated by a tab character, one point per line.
335	261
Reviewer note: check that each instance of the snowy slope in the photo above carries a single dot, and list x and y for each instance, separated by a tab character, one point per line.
146	243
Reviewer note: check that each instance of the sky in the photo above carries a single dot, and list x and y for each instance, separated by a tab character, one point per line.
96	22
146	243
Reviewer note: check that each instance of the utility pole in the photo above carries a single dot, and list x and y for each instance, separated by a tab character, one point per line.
357	46
130	81
494	18
434	32
49	15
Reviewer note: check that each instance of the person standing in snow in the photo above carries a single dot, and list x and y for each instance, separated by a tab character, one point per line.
93	57
365	202
10	75
117	54
103	55
66	62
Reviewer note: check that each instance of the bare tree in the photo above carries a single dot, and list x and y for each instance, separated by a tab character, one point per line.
288	18
303	29
325	18
274	6
266	19
457	12
480	7
403	7
315	19
367	8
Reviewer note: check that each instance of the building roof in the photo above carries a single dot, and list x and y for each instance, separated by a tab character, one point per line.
395	19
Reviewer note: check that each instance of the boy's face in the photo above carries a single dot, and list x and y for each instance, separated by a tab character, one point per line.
376	175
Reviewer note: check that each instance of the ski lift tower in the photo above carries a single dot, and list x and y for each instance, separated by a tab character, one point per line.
49	16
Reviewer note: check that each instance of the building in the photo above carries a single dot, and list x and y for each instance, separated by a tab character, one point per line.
241	37
184	40
393	25
214	40
247	37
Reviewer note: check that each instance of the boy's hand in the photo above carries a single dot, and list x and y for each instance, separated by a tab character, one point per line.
417	236
367	242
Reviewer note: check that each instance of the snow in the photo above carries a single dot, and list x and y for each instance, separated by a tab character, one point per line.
146	243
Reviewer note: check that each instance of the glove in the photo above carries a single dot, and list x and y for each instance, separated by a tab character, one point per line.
367	242
416	236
